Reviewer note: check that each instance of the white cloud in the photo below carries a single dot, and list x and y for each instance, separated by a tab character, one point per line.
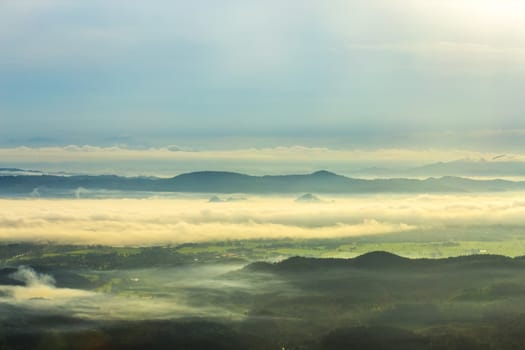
294	153
174	221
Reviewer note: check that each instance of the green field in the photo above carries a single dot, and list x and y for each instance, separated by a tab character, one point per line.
449	242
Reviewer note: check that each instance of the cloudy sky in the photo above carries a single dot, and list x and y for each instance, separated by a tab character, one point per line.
352	74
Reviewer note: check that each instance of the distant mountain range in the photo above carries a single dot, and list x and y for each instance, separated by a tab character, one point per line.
17	171
489	168
229	182
497	167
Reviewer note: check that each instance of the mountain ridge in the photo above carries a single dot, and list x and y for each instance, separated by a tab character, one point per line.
382	260
232	182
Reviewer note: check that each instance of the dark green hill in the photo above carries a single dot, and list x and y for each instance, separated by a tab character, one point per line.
388	261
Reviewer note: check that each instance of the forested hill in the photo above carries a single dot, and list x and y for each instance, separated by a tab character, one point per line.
380	260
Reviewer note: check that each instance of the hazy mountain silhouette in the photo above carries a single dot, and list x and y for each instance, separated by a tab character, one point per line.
308	198
229	182
217	199
18	171
498	166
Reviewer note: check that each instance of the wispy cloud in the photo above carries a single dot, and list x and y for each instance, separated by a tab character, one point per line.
173	160
40	296
295	153
38	286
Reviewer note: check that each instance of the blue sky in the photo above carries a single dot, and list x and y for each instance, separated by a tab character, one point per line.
237	74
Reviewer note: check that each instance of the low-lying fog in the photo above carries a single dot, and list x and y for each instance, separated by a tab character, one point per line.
141	294
157	221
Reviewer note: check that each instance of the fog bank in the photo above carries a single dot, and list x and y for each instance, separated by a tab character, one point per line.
156	221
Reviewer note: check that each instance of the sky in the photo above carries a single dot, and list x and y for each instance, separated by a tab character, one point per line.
203	75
